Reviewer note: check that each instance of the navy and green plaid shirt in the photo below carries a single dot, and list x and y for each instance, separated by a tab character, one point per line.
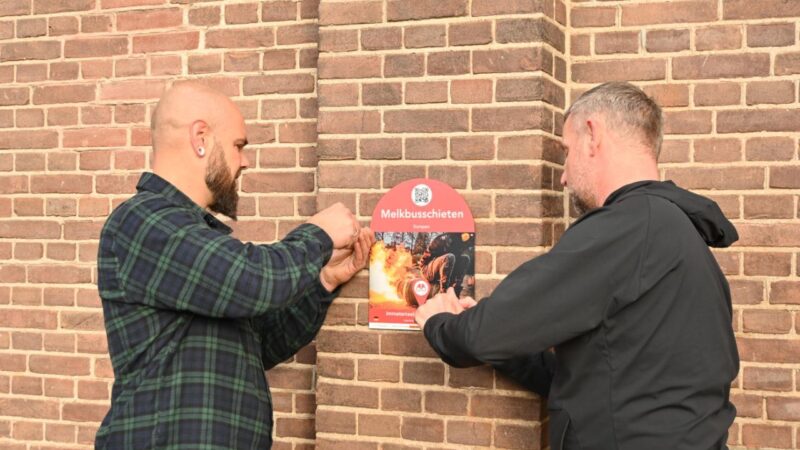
194	317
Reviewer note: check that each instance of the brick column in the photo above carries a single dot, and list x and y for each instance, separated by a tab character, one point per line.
470	93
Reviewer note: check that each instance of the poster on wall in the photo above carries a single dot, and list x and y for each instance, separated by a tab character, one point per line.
424	244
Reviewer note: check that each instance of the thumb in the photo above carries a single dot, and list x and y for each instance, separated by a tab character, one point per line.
467	302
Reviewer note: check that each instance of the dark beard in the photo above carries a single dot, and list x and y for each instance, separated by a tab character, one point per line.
222	186
579	204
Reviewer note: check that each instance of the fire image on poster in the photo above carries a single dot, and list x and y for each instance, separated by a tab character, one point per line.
424	244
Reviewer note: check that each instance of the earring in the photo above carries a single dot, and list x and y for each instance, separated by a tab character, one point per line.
201	151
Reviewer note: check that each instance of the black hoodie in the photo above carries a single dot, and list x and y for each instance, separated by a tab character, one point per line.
639	316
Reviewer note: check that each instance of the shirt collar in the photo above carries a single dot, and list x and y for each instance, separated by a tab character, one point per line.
153	183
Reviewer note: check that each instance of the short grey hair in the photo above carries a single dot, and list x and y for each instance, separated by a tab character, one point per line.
627	108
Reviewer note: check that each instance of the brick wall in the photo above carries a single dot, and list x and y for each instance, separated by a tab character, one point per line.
470	93
466	91
78	81
726	73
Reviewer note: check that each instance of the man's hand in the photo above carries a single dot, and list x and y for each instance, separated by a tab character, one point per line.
346	262
441	303
340	224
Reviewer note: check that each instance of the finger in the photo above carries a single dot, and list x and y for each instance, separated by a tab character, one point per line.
467	302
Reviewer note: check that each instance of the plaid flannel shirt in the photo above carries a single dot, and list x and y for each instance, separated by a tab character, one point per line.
194	317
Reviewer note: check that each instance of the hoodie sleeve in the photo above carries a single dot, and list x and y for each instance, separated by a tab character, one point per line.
553	298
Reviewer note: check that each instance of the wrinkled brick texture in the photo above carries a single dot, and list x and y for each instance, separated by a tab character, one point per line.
345	99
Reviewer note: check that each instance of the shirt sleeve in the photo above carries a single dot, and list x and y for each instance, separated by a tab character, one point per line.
550	299
285	331
173	260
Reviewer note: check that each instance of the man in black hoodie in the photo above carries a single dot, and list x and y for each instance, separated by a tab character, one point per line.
625	325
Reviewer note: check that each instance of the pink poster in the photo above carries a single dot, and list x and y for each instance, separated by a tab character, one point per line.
424	244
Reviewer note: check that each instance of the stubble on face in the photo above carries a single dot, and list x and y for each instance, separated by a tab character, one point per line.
222	184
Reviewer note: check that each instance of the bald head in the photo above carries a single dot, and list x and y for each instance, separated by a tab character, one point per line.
182	105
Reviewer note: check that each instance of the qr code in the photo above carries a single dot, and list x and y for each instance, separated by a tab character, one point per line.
421	195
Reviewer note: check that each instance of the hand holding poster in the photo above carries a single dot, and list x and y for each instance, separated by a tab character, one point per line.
424	244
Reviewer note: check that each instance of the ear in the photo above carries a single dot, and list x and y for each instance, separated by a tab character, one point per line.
198	134
594	133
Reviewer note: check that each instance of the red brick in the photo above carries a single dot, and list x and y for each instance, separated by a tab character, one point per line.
592	16
349	122
616	42
15	7
95	47
715	94
518	437
13	363
404	65
186	40
96	23
297	34
768	207
49	7
423	429
469	433
717	150
667	40
378	425
669	12
448	63
770	35
205	16
504	407
667	95
95	137
382	38
341	13
277	11
38	409
508	233
405	345
338	40
724	37
756	120
382	94
84	412
13	184
349	67
132	90
63	184
785	292
397	10
762	436
31	28
768	350
426	121
708	178
743	9
498	7
784	177
425	36
336	422
380	148
767	321
511	119
720	66
427	91
770	92
511	60
347	395
767	378
446	403
787	63
378	370
472	33
63	94
608	70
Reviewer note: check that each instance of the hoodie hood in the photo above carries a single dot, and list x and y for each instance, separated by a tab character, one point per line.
705	214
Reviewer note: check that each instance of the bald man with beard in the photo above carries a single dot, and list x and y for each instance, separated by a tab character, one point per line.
194	316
